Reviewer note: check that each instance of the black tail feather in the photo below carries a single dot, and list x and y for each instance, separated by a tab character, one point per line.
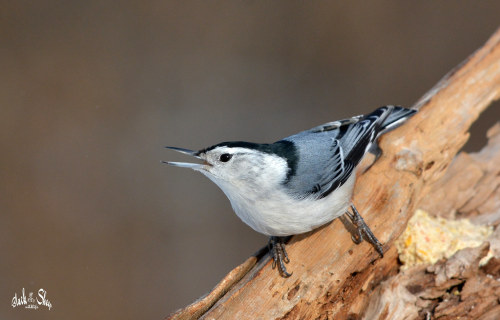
397	116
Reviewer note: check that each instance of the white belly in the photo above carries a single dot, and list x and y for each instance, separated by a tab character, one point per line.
284	216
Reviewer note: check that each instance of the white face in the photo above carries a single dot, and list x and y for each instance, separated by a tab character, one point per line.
242	166
238	170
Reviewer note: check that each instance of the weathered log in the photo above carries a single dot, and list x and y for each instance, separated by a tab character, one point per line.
456	288
332	277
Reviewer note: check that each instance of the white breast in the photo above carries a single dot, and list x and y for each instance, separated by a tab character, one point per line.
282	215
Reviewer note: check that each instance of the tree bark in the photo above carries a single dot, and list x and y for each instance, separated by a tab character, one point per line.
458	287
332	277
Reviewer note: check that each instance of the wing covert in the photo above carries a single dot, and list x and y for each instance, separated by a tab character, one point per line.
329	173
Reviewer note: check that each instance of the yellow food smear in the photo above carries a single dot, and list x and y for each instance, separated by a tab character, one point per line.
428	239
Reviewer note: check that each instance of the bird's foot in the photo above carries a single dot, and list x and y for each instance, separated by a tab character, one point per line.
363	231
376	151
280	257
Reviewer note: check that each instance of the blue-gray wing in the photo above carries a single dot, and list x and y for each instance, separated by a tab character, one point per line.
335	173
322	167
334	125
328	154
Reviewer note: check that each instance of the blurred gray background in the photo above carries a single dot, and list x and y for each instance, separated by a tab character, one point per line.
91	91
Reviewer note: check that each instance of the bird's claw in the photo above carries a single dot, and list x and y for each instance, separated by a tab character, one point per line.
279	254
357	239
364	232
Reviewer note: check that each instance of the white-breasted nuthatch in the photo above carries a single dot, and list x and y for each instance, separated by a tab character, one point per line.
298	183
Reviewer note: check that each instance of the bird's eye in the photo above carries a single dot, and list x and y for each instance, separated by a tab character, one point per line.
225	157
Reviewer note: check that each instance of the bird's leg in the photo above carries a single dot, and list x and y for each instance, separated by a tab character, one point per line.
280	257
357	238
376	151
363	231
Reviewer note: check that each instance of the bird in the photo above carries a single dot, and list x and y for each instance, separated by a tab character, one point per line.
298	183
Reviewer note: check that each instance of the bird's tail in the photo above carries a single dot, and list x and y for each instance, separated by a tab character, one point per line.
396	116
360	136
385	119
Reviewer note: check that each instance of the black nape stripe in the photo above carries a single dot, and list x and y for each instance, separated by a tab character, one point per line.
287	150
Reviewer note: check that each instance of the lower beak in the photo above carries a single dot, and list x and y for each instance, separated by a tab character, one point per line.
194	166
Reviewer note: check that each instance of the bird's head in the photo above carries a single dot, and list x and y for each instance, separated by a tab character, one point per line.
243	165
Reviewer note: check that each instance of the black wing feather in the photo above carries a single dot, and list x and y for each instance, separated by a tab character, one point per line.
350	149
331	152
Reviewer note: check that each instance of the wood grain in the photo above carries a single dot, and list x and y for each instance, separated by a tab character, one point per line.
458	287
332	277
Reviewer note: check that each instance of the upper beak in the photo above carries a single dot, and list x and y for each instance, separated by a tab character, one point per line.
195	166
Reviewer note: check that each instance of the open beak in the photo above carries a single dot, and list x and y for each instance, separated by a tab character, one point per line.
194	166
